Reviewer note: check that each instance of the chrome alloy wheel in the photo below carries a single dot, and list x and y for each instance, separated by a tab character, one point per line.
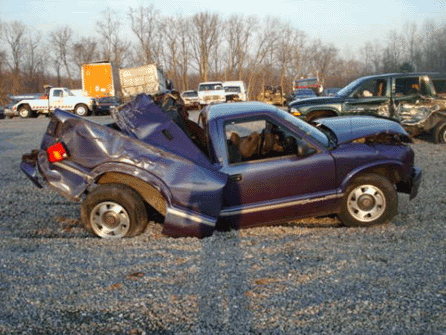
366	203
110	220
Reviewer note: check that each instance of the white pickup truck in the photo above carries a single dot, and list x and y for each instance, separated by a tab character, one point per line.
58	97
211	92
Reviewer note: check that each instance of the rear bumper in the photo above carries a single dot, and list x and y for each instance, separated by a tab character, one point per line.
29	167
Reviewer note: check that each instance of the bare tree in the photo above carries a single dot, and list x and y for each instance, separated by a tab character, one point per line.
85	51
204	32
394	52
411	39
372	57
34	62
289	45
263	46
184	51
321	57
145	23
173	34
115	48
239	34
14	35
61	42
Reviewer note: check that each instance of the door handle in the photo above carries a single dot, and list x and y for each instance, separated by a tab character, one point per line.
235	177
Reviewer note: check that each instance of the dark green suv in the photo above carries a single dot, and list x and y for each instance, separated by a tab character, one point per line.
410	98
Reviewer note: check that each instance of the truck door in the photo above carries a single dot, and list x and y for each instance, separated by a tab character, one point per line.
372	97
56	99
270	179
409	90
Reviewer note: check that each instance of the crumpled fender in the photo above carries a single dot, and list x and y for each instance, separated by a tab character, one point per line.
192	186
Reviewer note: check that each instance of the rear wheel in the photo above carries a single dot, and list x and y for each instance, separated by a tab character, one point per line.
370	199
81	110
440	133
114	211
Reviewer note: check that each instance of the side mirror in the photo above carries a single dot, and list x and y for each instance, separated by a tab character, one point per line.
304	150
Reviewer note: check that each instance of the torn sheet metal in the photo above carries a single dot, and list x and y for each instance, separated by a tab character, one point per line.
150	146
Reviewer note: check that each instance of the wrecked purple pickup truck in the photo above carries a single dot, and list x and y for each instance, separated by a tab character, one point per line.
243	164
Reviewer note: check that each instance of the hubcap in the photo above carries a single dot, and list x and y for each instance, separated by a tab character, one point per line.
109	219
366	203
81	111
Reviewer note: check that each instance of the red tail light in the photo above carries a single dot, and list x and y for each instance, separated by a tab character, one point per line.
56	153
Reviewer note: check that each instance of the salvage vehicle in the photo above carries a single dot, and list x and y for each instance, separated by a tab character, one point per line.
243	164
235	91
190	99
315	84
55	97
105	104
409	98
273	95
303	93
211	92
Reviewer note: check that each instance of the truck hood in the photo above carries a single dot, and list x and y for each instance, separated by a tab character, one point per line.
354	127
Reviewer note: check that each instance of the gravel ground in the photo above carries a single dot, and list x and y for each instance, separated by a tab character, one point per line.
309	276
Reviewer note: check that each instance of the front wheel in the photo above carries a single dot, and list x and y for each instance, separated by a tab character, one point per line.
369	200
440	133
114	211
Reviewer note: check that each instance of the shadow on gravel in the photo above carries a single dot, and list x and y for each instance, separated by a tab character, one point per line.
425	137
223	307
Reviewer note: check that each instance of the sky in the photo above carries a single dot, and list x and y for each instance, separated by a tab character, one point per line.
345	24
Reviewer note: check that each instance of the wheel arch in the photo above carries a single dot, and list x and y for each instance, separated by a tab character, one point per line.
391	171
147	186
434	119
24	104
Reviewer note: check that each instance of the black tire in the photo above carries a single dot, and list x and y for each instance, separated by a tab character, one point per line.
81	110
120	205
25	112
370	199
440	133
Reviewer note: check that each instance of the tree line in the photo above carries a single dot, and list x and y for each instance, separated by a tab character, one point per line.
207	46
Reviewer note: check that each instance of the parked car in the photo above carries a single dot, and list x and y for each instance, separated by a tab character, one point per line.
273	95
105	104
211	92
303	93
190	99
409	98
55	97
235	91
244	164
